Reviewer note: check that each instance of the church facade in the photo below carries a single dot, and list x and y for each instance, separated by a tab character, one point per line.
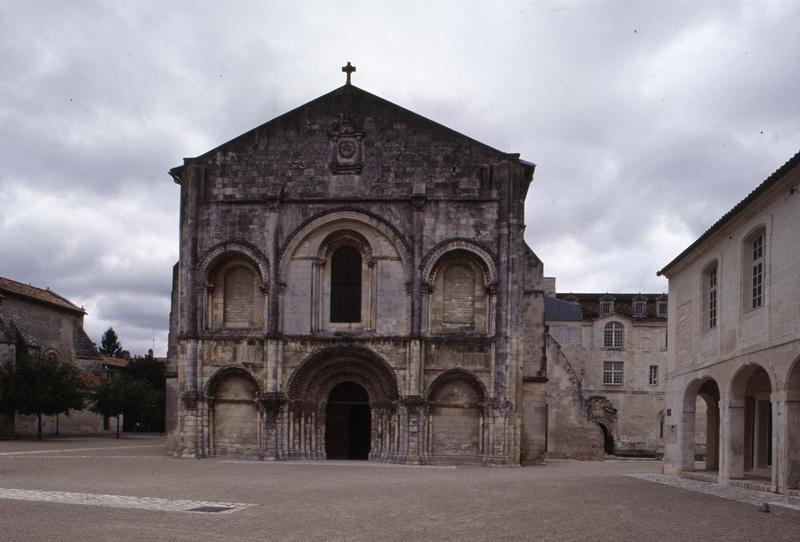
353	283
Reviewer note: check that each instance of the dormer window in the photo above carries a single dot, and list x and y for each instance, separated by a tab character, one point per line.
606	305
639	307
661	308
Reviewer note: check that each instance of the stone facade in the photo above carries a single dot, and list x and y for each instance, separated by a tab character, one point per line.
734	337
45	324
616	346
353	280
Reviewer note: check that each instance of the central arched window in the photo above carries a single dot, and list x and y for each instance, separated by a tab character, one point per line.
346	285
614	336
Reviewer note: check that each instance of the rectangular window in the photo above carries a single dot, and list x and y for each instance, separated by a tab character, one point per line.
757	267
639	308
662	308
612	372
653	377
712	298
605	307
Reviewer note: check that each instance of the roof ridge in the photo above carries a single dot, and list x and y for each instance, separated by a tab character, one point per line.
762	187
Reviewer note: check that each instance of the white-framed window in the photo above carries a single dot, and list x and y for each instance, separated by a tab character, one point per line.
606	306
662	308
757	271
614	335
710	281
639	308
613	372
652	377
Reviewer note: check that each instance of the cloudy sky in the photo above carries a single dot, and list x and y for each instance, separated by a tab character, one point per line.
647	122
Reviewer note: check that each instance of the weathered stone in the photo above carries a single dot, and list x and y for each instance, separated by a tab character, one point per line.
446	284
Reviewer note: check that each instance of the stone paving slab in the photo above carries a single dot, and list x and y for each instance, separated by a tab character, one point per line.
758	498
329	463
93	449
122	501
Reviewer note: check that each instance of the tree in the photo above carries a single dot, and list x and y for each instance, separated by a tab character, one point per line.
146	377
45	385
108	399
109	344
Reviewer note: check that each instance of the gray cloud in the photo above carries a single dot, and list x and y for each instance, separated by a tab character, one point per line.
647	121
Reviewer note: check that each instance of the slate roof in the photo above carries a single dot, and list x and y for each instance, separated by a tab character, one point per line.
6	333
48	296
760	189
623	304
556	309
84	347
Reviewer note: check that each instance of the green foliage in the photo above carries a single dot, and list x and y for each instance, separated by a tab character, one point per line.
149	370
146	381
106	399
37	386
109	344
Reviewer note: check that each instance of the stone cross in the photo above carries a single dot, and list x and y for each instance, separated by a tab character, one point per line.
348	70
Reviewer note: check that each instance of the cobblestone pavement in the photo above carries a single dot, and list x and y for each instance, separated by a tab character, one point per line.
338	500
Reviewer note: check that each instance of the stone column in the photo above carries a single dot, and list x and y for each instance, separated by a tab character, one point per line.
272	404
412	410
733	446
712	435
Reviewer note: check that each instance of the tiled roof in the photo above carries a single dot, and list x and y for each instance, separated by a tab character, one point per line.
89	379
623	304
760	189
31	292
116	362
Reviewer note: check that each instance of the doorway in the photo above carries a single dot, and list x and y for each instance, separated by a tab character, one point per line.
608	440
348	423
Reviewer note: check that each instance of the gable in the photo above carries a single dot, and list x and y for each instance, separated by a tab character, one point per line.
348	143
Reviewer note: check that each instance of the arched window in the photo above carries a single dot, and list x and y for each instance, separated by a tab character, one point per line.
238	297
614	336
346	285
459	296
459	300
234	299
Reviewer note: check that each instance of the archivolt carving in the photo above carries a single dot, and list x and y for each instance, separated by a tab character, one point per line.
458	373
443	249
335	215
324	369
345	237
217	252
223	373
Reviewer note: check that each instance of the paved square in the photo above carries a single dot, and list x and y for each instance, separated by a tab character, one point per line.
128	490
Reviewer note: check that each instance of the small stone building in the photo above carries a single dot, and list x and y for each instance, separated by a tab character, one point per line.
46	324
616	346
353	283
734	343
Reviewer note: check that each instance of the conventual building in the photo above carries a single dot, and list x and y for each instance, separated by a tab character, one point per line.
353	283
